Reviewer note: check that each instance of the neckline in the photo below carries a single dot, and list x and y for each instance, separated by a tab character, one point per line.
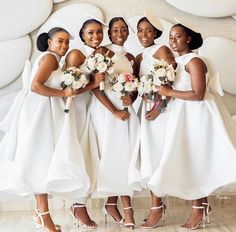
116	48
89	50
56	55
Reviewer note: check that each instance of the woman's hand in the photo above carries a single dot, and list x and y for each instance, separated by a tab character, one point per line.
126	100
98	78
68	92
165	90
122	115
152	114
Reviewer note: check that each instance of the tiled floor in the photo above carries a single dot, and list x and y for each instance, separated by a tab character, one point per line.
223	219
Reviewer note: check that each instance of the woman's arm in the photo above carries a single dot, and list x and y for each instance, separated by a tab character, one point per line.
197	70
46	66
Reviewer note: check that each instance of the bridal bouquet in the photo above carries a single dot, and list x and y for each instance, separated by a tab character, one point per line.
124	84
75	78
161	73
99	63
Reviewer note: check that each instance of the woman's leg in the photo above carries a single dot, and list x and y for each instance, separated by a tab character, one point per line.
156	213
128	212
112	209
42	207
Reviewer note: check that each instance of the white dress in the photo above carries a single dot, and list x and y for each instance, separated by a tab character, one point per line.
151	131
118	141
40	152
199	145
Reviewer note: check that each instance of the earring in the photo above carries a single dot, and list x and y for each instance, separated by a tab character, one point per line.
188	41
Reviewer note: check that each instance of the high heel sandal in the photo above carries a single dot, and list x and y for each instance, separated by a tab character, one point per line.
201	222
129	225
39	222
105	212
163	207
207	211
77	221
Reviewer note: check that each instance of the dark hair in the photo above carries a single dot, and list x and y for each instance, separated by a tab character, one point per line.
158	33
42	40
196	38
112	21
85	24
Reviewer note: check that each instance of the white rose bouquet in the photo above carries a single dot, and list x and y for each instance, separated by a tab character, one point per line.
75	78
99	63
124	84
161	73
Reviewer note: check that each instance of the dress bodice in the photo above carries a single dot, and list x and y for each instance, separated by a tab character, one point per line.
54	80
183	80
121	62
148	58
87	51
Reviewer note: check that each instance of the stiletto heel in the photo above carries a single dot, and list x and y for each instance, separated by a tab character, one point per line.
77	221
207	212
163	207
39	222
105	212
201	222
129	225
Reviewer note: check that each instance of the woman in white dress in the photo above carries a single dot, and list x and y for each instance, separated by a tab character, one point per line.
91	34
117	131
40	150
199	151
153	122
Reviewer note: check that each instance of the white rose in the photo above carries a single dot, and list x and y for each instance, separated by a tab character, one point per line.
77	84
147	87
99	57
91	64
101	67
117	87
67	78
121	78
140	88
157	81
143	79
161	72
128	87
170	74
83	78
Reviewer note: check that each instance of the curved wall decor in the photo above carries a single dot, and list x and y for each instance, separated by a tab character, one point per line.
13	56
206	8
22	17
220	52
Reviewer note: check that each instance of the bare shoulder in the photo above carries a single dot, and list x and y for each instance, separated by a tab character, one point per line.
130	56
197	63
139	58
75	53
49	60
162	51
105	51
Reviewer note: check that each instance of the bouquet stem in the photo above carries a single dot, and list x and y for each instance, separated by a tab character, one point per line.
148	106
68	104
126	109
102	88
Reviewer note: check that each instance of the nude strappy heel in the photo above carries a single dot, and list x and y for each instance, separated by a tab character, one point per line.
105	212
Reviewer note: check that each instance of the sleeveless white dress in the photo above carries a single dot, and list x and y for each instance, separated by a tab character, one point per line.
199	148
118	141
152	132
40	152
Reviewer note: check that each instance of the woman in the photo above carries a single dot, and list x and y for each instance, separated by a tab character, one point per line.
91	34
45	155
153	122
200	139
112	124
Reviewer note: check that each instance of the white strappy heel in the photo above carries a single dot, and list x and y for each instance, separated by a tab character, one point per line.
207	212
163	207
78	221
105	212
39	222
129	225
201	222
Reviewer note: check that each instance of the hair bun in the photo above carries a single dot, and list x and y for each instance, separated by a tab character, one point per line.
42	42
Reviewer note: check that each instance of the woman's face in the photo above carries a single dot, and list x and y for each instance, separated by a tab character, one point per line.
146	34
178	39
93	35
59	43
119	33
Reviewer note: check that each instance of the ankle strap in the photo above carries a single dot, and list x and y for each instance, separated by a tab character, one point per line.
127	208
204	203
78	206
198	207
111	204
158	207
